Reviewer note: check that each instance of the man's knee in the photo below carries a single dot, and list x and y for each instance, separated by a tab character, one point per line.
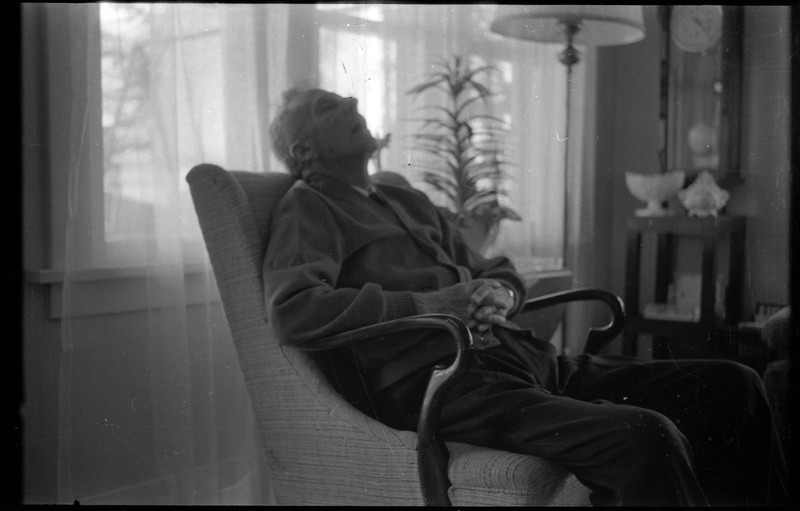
734	381
649	435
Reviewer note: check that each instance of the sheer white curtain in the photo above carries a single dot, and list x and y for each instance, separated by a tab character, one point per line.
153	409
152	405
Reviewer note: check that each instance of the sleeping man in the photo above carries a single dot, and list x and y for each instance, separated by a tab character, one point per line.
346	254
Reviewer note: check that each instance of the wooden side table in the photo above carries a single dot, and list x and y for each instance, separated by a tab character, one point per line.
684	338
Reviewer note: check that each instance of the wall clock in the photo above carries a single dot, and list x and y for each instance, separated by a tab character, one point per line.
701	89
696	28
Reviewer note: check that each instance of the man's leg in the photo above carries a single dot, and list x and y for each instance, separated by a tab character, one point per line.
637	455
632	455
719	405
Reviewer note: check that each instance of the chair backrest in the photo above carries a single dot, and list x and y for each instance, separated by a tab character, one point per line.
306	427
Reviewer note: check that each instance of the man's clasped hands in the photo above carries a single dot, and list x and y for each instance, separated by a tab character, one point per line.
479	304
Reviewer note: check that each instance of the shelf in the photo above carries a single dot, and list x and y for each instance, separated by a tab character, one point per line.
715	233
670	328
686	225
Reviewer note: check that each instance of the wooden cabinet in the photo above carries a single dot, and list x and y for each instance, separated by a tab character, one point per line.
708	253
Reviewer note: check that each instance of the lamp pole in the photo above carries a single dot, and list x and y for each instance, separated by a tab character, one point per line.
598	25
569	57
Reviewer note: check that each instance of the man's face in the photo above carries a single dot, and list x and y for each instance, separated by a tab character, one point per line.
336	129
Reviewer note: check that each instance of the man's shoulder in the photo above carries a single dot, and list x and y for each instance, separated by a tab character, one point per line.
318	197
301	191
301	199
405	194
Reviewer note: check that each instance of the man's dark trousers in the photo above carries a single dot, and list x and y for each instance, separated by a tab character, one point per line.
677	432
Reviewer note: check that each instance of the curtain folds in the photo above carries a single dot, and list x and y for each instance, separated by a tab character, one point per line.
152	406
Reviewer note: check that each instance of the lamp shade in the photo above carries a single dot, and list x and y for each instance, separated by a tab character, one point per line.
600	25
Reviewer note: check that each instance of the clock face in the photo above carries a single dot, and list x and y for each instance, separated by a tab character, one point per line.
696	28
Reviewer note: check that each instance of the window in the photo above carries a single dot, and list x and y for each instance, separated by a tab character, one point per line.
157	88
163	110
137	94
134	45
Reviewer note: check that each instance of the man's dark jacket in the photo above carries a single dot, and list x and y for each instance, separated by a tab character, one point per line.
339	260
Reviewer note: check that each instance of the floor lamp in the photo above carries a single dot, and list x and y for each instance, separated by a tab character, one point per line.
591	25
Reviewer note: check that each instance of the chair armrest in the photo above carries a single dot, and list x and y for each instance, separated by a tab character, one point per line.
598	336
378	330
432	453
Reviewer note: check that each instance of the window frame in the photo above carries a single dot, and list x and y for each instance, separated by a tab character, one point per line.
61	80
61	86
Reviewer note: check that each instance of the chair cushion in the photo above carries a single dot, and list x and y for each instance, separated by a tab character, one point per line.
482	476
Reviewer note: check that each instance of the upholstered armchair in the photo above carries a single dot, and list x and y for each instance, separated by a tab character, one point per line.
320	449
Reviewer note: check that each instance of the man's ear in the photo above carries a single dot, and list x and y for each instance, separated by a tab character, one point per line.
302	151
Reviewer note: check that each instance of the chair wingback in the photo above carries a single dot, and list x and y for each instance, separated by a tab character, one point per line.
234	210
306	427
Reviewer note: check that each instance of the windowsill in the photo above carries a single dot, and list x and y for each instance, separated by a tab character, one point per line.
547	281
49	276
105	291
117	290
532	278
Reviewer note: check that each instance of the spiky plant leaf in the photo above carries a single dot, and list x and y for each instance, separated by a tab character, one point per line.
463	145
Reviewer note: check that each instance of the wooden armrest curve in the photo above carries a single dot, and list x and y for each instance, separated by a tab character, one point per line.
598	336
423	321
432	454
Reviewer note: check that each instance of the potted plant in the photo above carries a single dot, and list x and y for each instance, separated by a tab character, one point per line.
463	149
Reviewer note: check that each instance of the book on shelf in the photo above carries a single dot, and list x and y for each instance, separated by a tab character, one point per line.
670	312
